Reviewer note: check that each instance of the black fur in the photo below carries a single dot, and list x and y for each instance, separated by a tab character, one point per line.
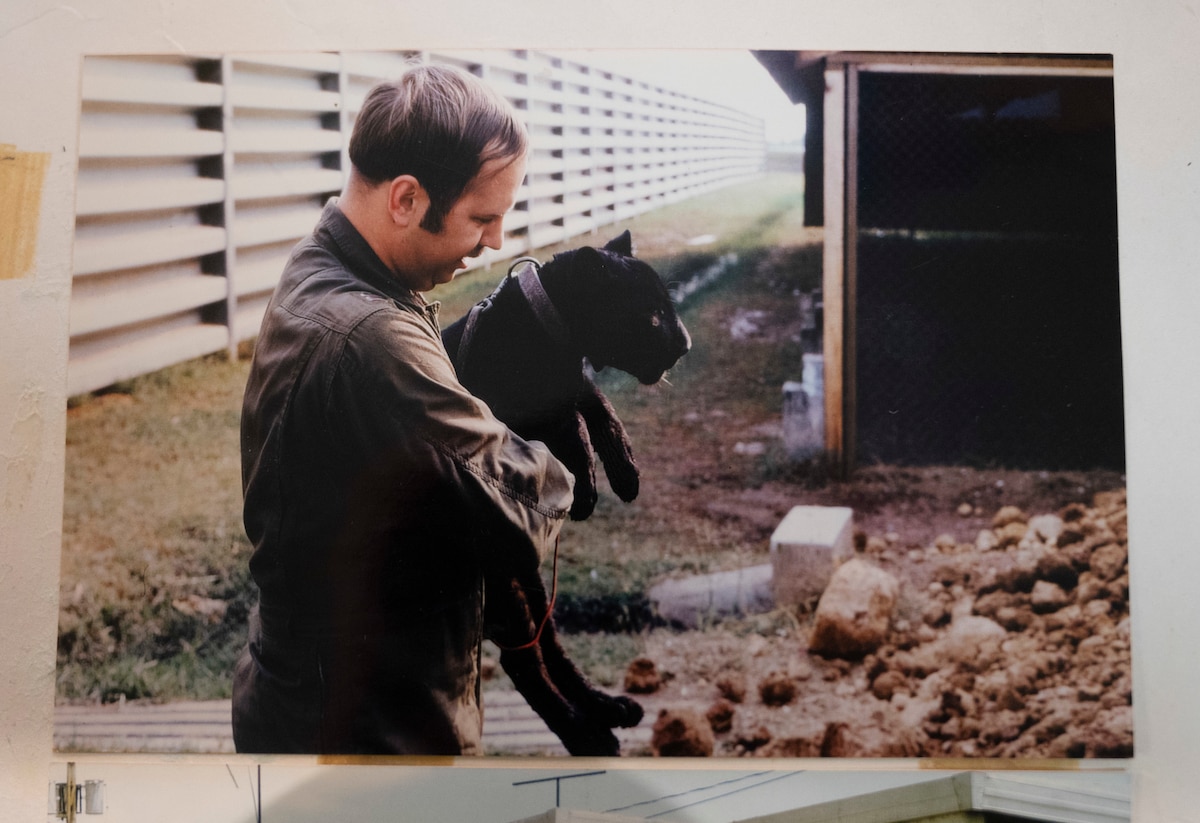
617	313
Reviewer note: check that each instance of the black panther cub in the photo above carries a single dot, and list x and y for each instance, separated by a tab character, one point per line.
525	351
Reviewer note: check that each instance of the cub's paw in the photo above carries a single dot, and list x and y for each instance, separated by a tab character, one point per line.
614	711
586	739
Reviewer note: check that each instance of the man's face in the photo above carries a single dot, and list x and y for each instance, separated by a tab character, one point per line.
475	222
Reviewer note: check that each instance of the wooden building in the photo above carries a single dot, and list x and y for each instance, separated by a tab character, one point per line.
970	262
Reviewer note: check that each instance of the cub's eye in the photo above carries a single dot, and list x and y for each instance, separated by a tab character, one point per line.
655	320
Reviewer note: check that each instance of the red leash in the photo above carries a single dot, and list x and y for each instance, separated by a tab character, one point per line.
549	608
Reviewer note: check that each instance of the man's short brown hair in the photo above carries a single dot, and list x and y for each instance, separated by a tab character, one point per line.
439	124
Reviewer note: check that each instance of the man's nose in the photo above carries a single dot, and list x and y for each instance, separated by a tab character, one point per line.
493	235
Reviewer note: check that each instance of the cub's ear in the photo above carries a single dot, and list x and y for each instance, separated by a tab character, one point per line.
622	245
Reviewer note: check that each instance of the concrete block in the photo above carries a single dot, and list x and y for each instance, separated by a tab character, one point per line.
692	601
805	547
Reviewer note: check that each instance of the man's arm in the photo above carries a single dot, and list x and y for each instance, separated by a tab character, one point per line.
506	485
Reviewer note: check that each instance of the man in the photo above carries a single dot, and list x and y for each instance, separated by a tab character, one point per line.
375	484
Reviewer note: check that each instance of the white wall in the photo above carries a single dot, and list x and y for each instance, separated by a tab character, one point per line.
1158	110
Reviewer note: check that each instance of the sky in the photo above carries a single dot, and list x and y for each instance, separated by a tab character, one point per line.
732	77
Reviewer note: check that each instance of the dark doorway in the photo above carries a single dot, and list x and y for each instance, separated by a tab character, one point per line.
988	323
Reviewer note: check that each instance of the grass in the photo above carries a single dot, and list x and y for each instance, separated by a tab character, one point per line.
155	588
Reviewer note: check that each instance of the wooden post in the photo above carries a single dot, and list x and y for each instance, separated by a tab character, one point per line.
850	280
833	263
227	217
71	791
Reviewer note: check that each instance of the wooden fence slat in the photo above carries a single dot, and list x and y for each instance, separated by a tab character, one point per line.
149	143
280	141
278	228
145	248
122	360
123	196
308	62
261	275
173	94
270	99
109	311
259	185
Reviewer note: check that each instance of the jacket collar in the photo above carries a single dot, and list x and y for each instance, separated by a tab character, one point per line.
335	230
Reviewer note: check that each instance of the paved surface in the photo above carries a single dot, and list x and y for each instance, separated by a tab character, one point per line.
510	728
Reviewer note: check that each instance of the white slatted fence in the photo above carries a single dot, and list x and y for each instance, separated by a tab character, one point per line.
198	174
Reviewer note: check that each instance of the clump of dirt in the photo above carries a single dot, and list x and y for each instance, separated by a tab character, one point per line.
642	677
1012	644
682	732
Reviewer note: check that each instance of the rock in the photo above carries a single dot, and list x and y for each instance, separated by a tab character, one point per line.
777	689
1119	523
1108	561
1090	588
945	543
886	685
751	737
1008	515
986	541
972	638
1118	591
854	614
681	733
1073	512
1068	617
824	741
720	716
1047	527
1020	577
1010	534
1071	533
1002	726
991	603
1057	569
1047	597
935	614
965	509
732	687
642	677
1015	619
1108	502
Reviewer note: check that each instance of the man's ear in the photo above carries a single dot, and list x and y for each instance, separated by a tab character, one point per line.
407	200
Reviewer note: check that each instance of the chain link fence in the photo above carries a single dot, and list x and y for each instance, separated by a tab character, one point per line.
988	328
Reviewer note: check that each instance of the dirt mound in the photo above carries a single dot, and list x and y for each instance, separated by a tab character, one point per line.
1013	645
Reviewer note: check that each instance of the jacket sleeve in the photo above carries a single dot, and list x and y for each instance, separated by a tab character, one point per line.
500	485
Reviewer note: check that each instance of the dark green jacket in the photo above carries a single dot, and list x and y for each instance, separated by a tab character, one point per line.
375	486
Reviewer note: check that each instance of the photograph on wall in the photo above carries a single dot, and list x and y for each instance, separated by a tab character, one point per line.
819	355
